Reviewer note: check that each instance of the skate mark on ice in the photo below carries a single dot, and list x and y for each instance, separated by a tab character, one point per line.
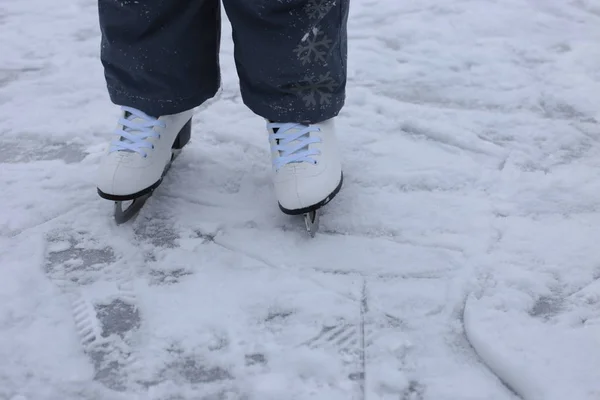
414	391
386	276
255	359
469	347
195	370
364	309
157	231
182	367
553	108
67	259
8	75
546	307
471	144
278	315
153	231
28	148
446	252
206	237
102	299
392	235
426	96
164	277
586	298
579	304
393	321
160	235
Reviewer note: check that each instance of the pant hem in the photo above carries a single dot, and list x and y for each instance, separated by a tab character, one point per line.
286	110
159	106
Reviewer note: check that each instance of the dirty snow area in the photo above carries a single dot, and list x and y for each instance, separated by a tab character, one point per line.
460	261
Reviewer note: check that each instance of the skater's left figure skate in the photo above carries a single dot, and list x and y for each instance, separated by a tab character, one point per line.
307	168
139	156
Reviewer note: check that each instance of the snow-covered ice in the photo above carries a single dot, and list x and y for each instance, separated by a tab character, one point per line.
460	261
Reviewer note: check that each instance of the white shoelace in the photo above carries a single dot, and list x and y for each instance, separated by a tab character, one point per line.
292	141
137	127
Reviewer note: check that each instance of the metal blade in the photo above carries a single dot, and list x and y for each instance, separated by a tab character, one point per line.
123	215
311	219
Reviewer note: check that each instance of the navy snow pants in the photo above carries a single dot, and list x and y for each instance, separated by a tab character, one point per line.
162	56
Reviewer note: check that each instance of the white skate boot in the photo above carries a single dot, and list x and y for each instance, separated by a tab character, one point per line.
139	156
307	168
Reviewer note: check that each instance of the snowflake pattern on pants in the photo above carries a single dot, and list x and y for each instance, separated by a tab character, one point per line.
313	87
317	9
313	47
313	51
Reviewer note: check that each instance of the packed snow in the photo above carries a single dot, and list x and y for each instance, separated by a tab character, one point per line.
459	262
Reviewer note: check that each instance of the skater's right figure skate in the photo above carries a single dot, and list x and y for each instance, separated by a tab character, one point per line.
306	166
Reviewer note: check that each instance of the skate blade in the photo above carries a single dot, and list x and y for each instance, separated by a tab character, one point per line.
126	210
311	220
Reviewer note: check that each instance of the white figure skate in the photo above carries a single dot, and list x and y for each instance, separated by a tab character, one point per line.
307	168
138	158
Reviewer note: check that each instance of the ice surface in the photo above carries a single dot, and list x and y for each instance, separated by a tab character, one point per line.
460	261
